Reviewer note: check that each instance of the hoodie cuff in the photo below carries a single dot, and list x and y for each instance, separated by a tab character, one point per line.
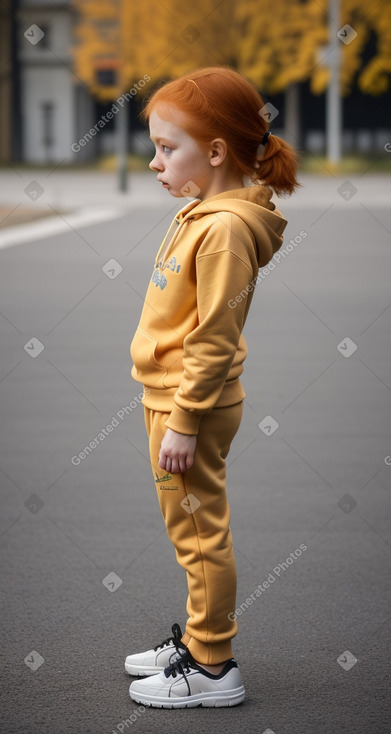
183	421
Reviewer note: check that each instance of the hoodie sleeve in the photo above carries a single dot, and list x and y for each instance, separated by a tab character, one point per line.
225	266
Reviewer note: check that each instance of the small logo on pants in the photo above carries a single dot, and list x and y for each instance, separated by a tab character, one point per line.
166	478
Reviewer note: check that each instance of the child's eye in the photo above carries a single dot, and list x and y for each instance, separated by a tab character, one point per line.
166	150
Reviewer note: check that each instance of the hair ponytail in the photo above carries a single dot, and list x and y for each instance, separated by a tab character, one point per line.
276	165
219	102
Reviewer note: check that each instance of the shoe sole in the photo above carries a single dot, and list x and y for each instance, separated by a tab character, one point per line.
213	699
140	670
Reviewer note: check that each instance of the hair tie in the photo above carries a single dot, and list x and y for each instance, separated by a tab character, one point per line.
265	137
197	87
193	82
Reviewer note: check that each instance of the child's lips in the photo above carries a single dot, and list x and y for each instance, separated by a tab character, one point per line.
163	183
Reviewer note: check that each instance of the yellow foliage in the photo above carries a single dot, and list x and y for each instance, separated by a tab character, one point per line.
288	49
279	52
275	43
150	38
319	79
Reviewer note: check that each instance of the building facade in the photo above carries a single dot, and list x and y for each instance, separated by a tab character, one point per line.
56	108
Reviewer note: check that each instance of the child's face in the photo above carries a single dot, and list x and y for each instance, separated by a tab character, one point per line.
181	162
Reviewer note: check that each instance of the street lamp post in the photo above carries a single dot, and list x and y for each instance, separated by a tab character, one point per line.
333	96
122	147
122	118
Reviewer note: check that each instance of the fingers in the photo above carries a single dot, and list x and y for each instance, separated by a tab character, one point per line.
162	461
177	452
189	462
175	465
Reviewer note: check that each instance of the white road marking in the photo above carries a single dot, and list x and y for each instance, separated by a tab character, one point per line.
37	230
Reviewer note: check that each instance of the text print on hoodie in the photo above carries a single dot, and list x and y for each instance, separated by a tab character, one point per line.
188	349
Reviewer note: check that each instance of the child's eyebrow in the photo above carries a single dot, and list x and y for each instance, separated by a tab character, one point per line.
165	141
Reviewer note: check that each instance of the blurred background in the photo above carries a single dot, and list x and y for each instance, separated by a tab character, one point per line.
74	75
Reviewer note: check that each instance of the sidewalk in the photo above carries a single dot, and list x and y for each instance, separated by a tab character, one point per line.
67	190
35	204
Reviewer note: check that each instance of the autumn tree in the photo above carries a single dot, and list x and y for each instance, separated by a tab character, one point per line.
365	19
294	47
151	38
166	40
278	44
96	45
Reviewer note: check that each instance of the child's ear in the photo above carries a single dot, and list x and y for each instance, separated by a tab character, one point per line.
218	152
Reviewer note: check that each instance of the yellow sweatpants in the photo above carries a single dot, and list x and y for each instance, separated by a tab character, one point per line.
195	509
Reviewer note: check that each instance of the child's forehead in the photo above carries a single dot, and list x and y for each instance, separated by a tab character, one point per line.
166	120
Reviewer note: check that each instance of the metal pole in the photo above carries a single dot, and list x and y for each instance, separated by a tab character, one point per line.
292	115
333	96
122	146
122	116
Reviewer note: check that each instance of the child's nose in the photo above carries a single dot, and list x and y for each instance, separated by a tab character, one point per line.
155	164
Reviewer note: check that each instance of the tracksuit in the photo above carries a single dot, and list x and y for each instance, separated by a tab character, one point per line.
188	353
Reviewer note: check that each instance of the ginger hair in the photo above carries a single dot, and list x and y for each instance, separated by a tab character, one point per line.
218	102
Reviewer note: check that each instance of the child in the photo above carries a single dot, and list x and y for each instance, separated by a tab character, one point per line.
188	352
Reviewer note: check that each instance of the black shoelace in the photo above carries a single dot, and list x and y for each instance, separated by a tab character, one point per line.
182	666
174	639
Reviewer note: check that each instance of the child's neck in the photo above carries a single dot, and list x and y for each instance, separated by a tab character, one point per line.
220	184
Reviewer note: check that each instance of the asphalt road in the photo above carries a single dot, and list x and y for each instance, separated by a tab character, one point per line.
88	572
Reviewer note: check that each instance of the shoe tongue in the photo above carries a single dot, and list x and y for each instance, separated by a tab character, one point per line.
183	660
176	631
182	649
188	656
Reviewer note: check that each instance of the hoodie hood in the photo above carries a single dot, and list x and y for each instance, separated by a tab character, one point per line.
254	206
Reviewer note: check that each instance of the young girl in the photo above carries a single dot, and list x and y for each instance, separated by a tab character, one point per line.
210	131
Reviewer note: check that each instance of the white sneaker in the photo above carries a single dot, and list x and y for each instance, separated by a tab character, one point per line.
156	660
185	684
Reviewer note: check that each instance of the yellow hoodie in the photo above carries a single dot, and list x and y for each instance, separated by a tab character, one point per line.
188	349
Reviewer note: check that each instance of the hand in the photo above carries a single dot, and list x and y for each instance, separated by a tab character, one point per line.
177	451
